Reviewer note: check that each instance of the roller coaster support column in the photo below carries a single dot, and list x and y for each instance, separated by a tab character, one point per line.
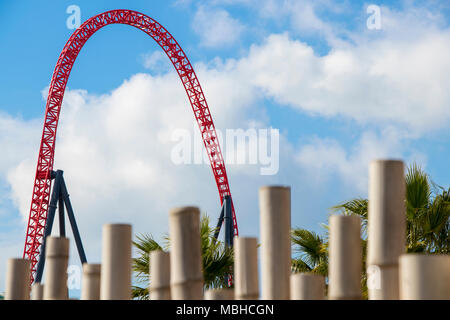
226	215
60	196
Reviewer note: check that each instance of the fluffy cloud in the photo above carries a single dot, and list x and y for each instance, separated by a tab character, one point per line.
397	76
216	28
326	159
115	148
383	81
16	138
116	153
156	61
304	17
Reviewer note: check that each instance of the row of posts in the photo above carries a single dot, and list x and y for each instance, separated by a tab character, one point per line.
177	275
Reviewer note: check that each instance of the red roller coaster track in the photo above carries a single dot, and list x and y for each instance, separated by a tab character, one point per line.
42	182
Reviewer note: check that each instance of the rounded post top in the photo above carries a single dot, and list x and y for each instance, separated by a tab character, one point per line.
219	294
387	162
307	275
275	187
184	210
159	253
344	217
424	257
240	238
19	260
91	268
117	225
57	246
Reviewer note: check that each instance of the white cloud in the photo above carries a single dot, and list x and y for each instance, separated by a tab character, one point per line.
122	140
16	140
216	28
11	246
305	20
398	76
377	82
115	148
325	159
115	151
156	61
302	16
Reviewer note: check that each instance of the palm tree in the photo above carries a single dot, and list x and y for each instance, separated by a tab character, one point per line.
312	252
217	259
427	213
427	216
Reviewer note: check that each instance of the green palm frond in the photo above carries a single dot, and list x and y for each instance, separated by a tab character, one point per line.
364	253
216	265
144	244
418	191
358	207
139	293
427	224
217	259
436	224
427	218
298	265
309	245
437	216
321	268
417	247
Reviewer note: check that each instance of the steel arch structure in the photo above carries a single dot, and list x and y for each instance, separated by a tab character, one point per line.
42	183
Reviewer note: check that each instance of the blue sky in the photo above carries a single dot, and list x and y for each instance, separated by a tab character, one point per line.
339	93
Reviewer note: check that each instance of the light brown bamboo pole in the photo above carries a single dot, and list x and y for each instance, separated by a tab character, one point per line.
219	294
186	278
386	228
90	287
37	291
275	220
17	279
424	277
56	263
307	286
246	281
345	258
115	274
159	275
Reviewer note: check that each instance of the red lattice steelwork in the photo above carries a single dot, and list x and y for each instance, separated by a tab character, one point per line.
42	182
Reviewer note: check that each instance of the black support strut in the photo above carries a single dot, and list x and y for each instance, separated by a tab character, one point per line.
59	199
226	218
